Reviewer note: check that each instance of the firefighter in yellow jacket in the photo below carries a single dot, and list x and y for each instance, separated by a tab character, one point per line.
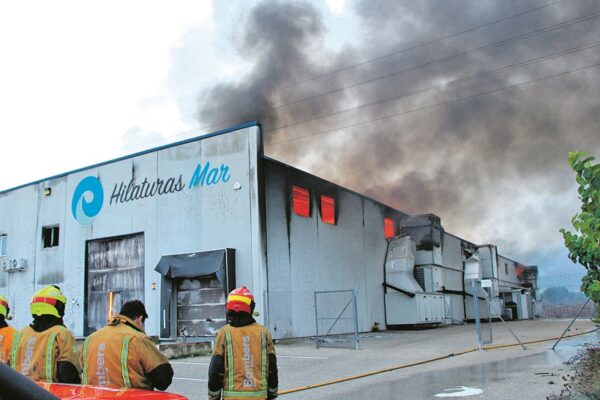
46	350
7	332
243	364
122	355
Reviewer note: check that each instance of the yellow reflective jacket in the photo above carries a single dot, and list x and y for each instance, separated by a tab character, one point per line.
119	355
246	352
36	354
6	341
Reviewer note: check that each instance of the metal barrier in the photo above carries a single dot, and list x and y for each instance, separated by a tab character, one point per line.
336	314
480	342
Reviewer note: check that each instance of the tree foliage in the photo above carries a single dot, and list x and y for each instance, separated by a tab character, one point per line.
559	295
584	242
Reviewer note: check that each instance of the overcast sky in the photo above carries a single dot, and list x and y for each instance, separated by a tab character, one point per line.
465	109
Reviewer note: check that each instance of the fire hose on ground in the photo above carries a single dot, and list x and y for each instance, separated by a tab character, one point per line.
427	361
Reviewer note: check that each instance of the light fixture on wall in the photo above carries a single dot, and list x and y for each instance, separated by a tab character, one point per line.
47	191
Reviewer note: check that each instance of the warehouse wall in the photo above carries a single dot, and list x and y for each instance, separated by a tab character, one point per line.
306	255
221	211
24	213
507	274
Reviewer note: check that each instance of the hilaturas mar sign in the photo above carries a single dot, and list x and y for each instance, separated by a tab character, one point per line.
88	197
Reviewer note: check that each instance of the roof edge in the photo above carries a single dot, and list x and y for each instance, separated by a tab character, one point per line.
139	153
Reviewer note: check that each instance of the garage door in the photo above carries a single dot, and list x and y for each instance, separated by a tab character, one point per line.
114	271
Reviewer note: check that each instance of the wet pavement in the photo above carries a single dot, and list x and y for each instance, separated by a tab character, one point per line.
505	373
530	377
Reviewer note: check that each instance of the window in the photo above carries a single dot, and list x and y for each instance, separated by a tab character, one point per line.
301	201
328	210
506	268
388	228
50	236
3	240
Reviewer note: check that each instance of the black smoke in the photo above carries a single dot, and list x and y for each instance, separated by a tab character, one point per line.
426	127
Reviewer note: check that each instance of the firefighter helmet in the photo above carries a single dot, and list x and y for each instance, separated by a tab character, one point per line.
240	299
4	308
48	301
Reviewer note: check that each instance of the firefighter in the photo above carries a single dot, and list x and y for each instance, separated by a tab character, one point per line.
7	332
122	355
243	363
46	350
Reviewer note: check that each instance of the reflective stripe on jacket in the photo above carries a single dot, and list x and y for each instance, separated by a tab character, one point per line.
119	355
246	351
36	354
6	341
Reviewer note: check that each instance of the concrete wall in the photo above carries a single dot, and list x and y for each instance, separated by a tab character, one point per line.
220	211
306	255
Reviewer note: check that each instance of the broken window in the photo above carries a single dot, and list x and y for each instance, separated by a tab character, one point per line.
388	228
301	201
50	236
3	240
328	210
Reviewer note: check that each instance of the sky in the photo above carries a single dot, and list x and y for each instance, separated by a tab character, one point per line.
463	108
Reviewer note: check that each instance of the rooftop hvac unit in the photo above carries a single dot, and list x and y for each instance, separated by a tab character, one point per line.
406	304
400	264
473	269
429	277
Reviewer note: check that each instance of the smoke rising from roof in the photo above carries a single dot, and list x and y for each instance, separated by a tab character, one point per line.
432	129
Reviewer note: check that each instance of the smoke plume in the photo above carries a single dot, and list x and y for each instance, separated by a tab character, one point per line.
465	109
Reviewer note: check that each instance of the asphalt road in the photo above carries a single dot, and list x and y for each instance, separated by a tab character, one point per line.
503	373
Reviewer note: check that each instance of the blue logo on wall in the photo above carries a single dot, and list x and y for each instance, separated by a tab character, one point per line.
87	200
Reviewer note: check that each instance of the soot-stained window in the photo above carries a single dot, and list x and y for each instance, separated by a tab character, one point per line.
328	210
301	201
388	228
50	236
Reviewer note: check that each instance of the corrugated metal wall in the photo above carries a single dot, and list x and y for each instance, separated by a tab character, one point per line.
306	255
193	211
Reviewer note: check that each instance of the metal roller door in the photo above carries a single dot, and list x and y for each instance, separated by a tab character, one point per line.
114	271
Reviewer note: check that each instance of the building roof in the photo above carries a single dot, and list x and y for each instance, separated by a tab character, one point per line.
139	153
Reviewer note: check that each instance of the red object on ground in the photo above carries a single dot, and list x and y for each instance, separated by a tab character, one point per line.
85	392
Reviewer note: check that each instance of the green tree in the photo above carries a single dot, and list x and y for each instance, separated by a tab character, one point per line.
584	242
562	295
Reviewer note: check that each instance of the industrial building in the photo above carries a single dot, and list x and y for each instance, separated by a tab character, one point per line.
180	225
